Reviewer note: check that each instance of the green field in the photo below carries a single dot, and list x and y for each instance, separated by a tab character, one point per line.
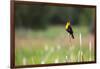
53	45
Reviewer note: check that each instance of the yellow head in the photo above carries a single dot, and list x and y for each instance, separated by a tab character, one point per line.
67	24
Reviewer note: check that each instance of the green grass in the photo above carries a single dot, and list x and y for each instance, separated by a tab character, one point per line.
40	54
51	32
30	45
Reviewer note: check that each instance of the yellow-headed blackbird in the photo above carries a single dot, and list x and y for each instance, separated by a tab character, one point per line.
69	28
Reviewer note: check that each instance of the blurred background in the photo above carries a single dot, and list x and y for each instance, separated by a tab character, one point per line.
41	38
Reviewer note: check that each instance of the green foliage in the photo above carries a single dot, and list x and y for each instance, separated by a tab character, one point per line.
41	16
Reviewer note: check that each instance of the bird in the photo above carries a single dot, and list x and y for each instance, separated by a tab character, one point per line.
69	28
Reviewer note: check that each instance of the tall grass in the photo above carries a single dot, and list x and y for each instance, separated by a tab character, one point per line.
52	46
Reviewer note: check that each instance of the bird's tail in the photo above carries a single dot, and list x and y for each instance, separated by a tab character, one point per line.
72	36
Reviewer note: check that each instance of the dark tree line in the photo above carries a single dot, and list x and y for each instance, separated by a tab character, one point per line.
41	16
